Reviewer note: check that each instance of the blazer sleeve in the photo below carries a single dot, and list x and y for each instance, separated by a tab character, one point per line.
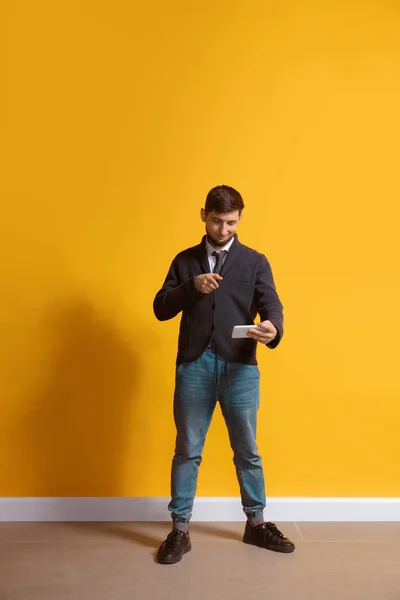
269	307
175	294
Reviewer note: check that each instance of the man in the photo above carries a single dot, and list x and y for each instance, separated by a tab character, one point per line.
216	285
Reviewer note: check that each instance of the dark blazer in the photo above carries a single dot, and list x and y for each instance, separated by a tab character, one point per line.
247	288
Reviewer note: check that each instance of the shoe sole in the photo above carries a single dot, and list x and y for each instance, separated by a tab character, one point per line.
174	560
272	548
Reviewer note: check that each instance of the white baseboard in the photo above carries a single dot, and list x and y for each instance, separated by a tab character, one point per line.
205	509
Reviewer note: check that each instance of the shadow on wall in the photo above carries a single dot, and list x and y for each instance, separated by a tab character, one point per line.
80	419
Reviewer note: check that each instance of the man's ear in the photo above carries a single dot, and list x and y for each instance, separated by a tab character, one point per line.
203	215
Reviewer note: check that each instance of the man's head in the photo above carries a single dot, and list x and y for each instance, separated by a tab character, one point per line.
222	214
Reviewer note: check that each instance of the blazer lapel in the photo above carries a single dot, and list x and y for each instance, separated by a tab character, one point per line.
232	256
203	256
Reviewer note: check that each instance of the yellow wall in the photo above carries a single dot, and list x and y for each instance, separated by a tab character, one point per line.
119	118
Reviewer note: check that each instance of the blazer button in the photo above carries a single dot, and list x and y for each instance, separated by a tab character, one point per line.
213	307
212	327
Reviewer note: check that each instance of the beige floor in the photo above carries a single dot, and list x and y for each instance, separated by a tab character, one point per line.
72	561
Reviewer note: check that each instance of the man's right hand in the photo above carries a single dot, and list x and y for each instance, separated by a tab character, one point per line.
207	282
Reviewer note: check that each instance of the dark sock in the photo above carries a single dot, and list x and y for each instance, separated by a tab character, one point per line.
181	526
255	521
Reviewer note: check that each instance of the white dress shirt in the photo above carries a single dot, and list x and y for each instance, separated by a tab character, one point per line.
212	259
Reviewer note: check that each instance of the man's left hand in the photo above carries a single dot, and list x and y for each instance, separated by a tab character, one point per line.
264	337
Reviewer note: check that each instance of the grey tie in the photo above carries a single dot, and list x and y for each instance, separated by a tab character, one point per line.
219	257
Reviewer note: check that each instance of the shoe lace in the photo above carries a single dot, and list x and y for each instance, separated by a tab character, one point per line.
274	530
173	539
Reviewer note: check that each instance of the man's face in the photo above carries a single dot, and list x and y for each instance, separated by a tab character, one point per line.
220	227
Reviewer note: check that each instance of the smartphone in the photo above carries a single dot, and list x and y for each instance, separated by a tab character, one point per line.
240	331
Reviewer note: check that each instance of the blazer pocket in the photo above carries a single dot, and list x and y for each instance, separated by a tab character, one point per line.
243	276
185	334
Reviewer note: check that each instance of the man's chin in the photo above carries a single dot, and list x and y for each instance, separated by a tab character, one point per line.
220	243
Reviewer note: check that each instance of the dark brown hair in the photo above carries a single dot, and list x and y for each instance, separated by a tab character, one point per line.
223	199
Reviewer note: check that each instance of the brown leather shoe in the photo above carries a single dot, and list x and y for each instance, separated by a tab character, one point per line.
174	547
267	536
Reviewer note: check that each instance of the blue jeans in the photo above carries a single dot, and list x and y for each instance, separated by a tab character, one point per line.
198	387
